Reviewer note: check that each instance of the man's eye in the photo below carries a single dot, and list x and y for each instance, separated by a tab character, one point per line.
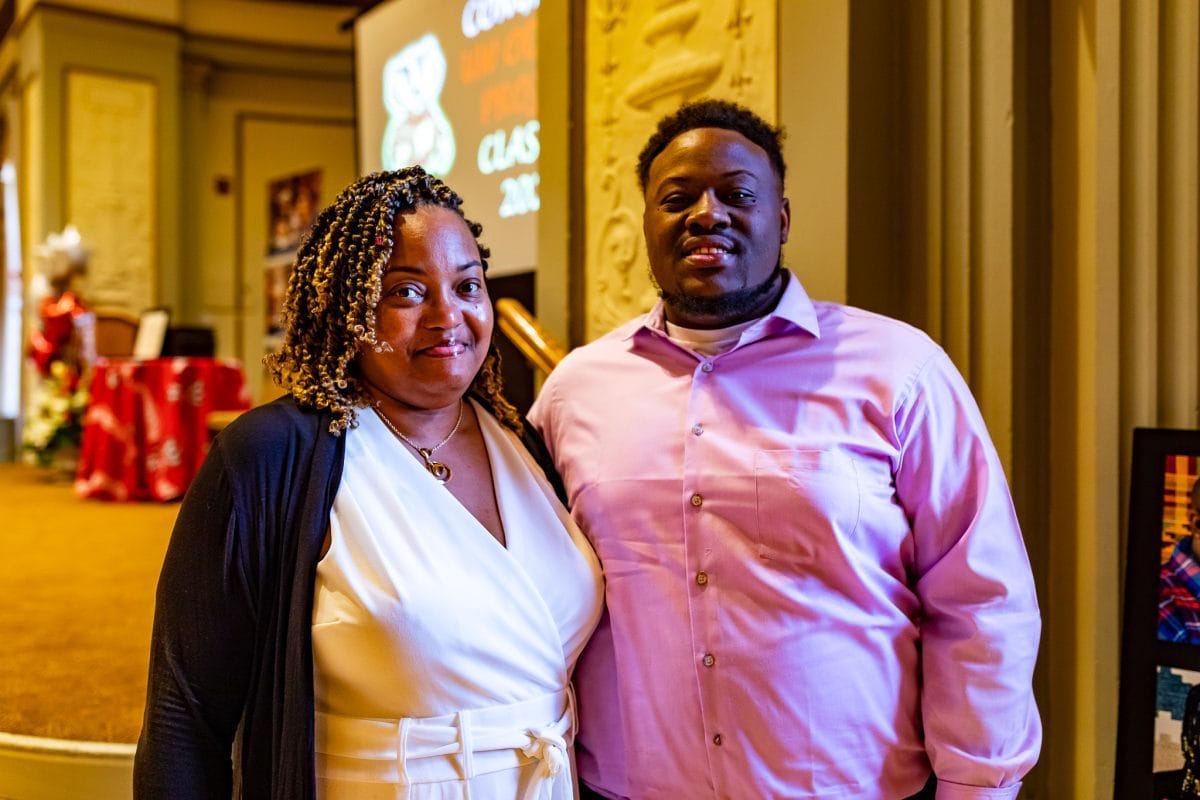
741	196
471	286
674	202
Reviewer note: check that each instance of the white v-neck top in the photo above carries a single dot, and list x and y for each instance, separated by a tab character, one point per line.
419	612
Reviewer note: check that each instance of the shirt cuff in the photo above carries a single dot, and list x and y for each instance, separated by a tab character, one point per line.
959	791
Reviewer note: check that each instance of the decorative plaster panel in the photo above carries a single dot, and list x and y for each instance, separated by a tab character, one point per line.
111	159
644	59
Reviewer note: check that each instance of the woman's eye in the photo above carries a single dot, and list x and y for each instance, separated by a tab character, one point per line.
471	286
404	291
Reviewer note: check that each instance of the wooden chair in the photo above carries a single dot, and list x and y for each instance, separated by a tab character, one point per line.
116	331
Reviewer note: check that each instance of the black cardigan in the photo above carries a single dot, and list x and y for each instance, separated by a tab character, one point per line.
231	652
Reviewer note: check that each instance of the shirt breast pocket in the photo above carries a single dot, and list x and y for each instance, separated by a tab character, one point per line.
808	503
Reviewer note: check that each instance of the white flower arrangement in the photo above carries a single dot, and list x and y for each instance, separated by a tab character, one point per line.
55	421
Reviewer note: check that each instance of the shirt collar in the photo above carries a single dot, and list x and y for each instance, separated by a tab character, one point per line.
794	308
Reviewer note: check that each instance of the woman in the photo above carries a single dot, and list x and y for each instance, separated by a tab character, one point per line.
371	582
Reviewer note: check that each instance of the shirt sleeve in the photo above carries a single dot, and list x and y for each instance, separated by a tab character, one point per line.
201	648
980	625
1170	628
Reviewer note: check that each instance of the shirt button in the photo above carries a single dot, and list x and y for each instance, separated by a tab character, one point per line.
706	366
709	659
702	578
717	740
697	429
697	500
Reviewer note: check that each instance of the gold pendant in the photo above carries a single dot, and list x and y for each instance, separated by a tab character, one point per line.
436	468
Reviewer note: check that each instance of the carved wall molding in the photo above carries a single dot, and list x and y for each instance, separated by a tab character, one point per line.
644	59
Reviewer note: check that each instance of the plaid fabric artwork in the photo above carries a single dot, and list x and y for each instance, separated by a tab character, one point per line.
1179	579
1179	474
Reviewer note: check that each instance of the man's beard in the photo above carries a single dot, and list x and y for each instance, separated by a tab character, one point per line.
731	306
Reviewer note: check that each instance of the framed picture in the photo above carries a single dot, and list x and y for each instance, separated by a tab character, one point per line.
1158	736
151	333
293	202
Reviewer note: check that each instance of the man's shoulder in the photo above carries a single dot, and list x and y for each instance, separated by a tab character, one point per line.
593	370
846	320
853	332
614	344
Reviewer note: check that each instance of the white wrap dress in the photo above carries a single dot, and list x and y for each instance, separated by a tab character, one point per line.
442	659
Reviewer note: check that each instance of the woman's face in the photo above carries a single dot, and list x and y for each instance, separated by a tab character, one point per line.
434	313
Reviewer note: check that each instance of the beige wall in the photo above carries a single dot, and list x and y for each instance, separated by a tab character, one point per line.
237	101
814	108
556	169
211	92
54	45
272	147
296	25
1082	598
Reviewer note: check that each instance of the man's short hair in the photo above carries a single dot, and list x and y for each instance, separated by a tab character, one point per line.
713	114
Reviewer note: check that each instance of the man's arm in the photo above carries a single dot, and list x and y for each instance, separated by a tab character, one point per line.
541	416
980	624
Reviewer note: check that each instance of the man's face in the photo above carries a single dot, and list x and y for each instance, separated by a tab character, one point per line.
714	222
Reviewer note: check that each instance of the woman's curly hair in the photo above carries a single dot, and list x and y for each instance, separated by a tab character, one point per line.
329	312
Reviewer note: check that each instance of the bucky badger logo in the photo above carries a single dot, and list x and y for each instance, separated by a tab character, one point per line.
418	131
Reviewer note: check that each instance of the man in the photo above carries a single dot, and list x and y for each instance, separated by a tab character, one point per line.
1179	583
816	584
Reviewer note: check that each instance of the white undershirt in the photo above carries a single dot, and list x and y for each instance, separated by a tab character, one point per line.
708	341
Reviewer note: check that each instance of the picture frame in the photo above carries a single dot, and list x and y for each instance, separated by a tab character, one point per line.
151	333
293	202
1158	727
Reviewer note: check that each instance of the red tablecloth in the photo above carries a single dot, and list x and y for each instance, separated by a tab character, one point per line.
145	431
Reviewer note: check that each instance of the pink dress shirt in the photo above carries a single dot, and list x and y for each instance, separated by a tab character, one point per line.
816	583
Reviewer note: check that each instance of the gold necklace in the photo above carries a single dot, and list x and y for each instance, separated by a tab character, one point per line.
438	469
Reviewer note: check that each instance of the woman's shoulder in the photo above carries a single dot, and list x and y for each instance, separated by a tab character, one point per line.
272	429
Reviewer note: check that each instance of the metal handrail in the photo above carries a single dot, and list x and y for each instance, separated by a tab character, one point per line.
538	346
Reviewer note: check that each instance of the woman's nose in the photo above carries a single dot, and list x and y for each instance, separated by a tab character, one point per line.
443	312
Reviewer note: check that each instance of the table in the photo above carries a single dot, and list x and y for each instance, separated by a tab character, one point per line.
145	432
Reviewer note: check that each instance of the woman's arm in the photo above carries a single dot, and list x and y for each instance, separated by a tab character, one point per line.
202	645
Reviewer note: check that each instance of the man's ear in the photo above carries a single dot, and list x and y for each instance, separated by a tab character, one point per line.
785	220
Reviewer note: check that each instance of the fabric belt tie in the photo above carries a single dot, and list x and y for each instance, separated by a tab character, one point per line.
550	749
456	746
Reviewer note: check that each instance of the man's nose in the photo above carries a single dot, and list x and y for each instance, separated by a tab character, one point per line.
708	212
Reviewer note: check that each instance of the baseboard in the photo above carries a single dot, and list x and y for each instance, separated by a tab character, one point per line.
36	768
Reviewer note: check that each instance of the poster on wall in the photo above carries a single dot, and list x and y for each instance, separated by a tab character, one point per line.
1177	733
292	205
451	85
1179	578
1158	735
